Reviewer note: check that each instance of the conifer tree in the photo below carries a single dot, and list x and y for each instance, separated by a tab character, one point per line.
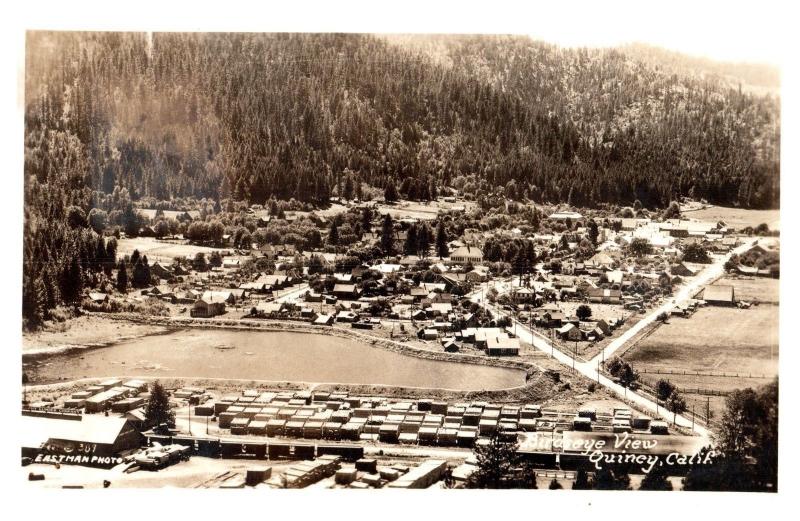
441	240
122	277
159	413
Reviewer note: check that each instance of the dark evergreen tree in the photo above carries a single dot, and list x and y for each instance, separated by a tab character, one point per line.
423	240
608	479
582	481
387	235
499	466
141	274
122	277
441	240
215	259
348	190
366	219
390	192
34	301
656	479
594	232
158	412
333	234
72	282
411	244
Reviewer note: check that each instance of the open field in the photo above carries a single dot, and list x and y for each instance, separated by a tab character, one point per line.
737	217
732	341
599	311
753	289
333	210
160	250
714	339
716	383
421	211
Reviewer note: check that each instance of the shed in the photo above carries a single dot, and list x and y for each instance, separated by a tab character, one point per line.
570	332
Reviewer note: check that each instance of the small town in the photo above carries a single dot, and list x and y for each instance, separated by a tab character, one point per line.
536	326
389	260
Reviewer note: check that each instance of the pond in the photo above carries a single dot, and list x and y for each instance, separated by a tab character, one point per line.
268	355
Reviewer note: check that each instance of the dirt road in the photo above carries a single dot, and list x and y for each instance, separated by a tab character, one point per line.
591	368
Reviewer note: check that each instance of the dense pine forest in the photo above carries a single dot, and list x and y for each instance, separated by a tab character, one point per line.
113	118
256	115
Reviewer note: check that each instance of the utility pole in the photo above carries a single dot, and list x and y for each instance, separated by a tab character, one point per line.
574	354
693	418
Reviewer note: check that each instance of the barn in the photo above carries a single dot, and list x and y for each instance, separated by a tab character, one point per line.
91	440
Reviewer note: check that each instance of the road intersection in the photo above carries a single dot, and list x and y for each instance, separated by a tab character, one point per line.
591	368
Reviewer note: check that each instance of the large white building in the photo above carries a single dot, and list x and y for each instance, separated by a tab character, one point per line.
467	254
563	216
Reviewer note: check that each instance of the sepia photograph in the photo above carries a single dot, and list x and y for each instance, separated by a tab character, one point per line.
307	259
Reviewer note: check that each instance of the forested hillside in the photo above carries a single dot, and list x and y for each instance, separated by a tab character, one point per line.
111	119
254	115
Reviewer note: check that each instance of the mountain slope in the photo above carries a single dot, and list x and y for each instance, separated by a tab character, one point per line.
257	115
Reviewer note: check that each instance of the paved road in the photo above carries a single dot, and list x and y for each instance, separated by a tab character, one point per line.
590	369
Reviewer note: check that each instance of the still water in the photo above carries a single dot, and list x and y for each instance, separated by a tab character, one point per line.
278	356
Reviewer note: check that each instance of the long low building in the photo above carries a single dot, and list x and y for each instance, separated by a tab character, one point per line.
423	476
88	439
502	345
718	295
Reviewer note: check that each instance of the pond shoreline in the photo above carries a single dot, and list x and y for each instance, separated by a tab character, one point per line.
86	331
171	325
280	352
